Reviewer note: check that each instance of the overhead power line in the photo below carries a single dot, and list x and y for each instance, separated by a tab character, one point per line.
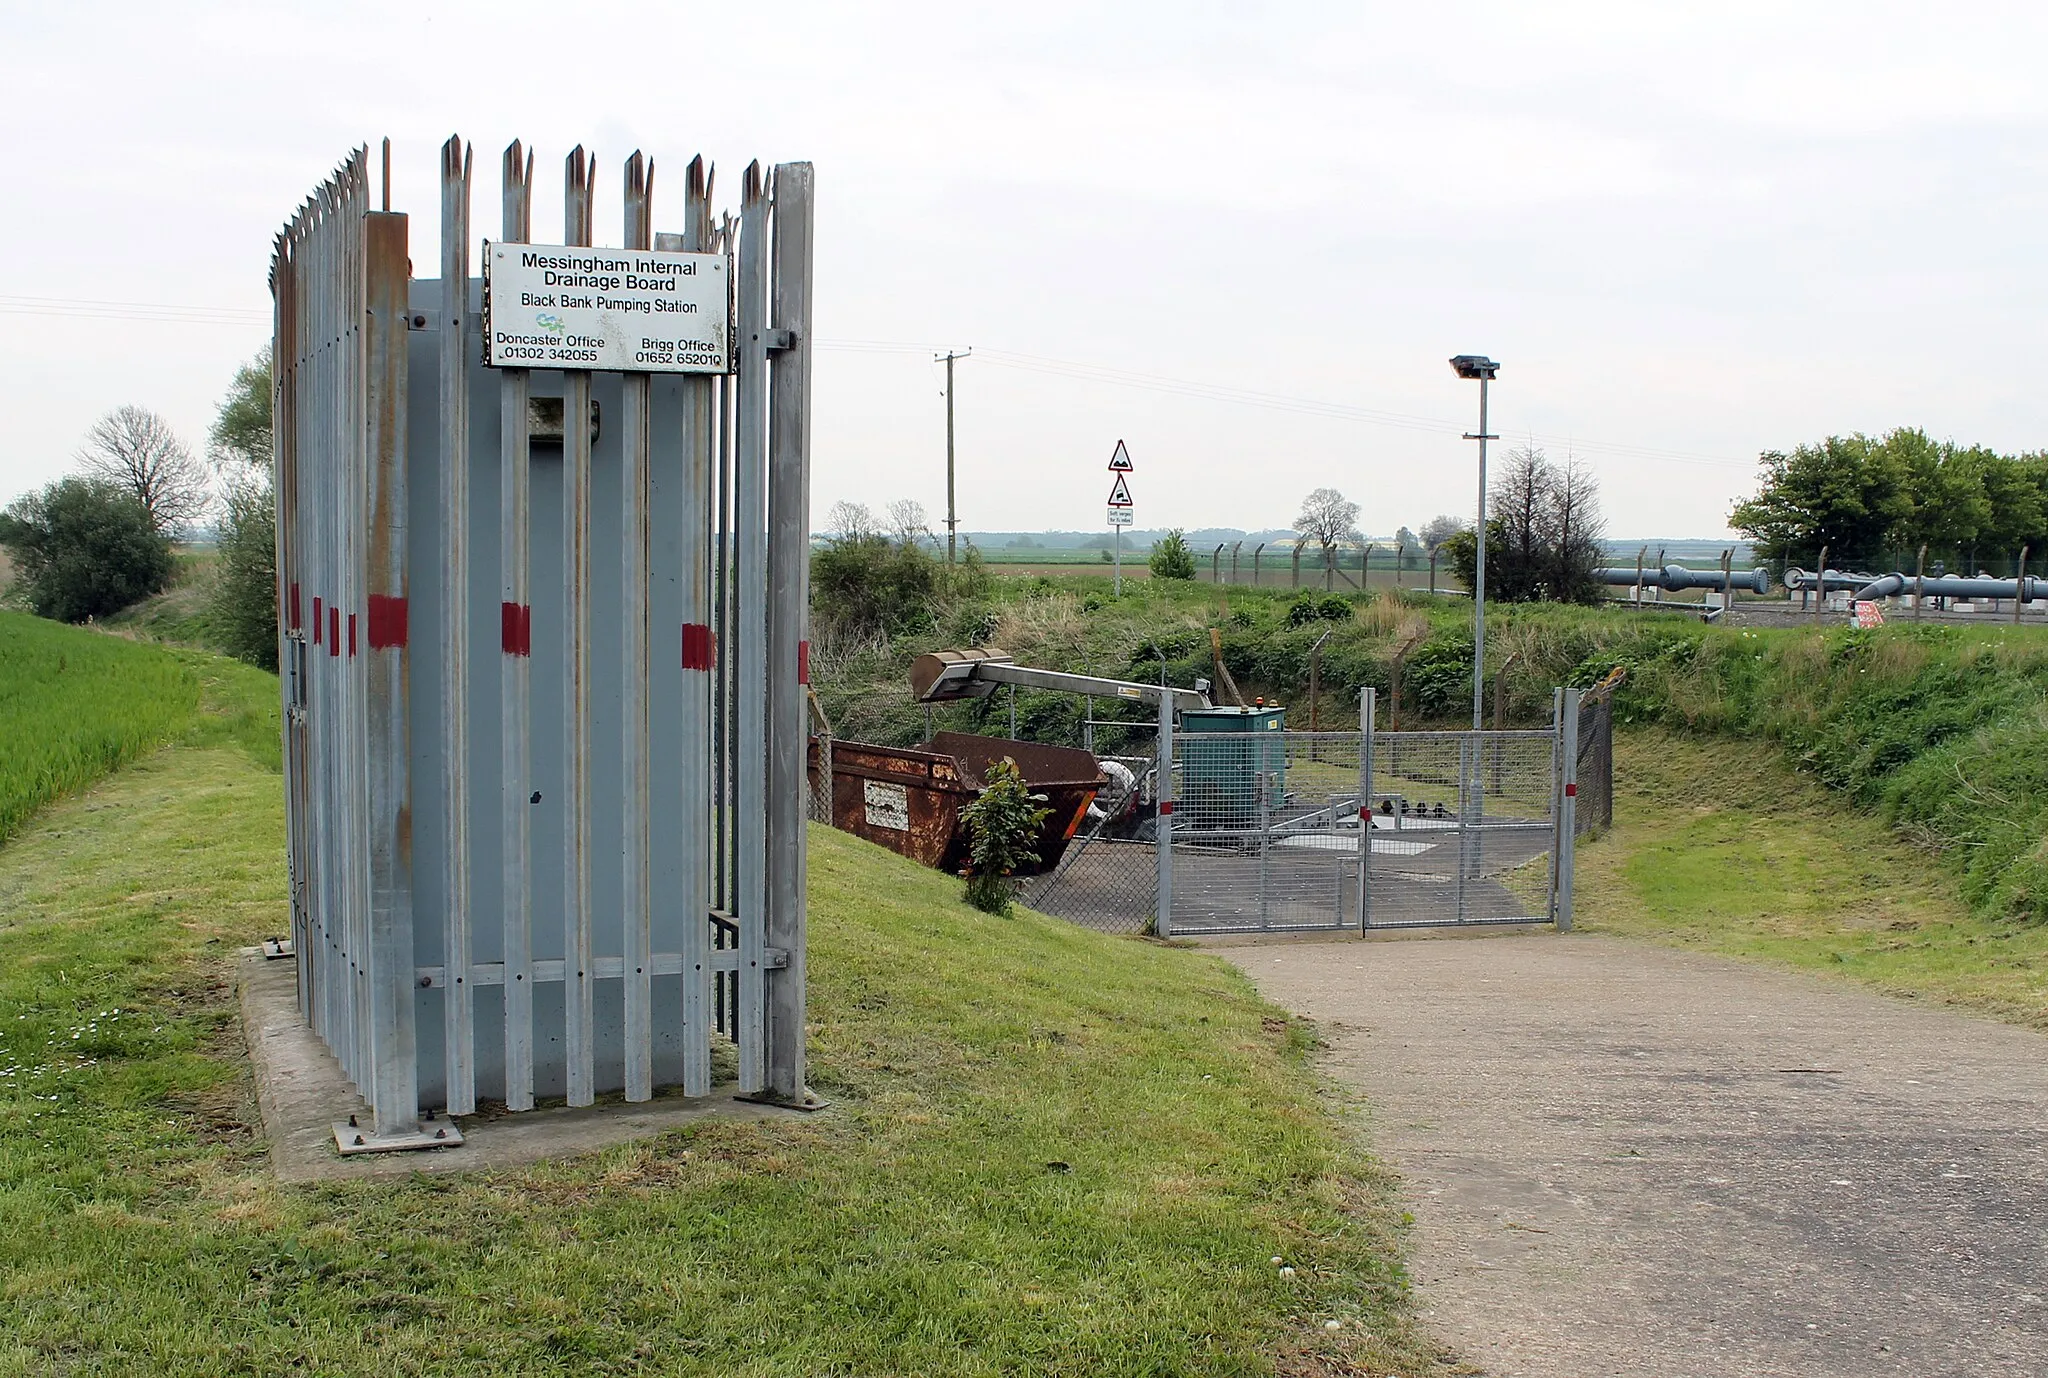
244	318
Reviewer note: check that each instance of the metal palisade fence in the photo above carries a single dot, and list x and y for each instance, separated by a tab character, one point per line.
544	648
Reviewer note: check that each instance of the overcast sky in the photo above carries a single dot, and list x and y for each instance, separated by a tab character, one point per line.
1689	233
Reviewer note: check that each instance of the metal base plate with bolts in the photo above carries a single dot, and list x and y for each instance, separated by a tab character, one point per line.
276	949
352	1140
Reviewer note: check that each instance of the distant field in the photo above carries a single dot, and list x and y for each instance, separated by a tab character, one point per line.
74	704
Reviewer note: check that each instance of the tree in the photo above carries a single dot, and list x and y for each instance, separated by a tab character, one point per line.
242	600
241	428
1327	518
1437	530
84	548
1543	532
851	520
1848	493
136	450
1171	558
1406	539
907	521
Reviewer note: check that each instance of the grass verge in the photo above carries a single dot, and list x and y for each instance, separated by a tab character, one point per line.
1719	846
1052	1152
75	704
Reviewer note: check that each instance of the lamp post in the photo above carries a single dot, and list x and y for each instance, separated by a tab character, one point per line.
1480	367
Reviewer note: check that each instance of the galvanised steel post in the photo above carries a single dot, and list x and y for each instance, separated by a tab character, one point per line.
1567	828
1367	707
1479	576
1162	824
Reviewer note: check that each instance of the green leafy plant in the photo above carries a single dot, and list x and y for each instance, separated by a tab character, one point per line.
83	549
1171	558
1307	608
1002	825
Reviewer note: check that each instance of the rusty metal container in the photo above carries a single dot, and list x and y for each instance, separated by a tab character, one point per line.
909	798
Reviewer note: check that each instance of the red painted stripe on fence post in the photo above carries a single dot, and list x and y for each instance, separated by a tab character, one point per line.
697	646
317	619
296	622
351	636
508	629
803	662
390	621
333	631
1571	791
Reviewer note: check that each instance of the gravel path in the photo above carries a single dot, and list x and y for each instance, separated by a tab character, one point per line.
1624	1159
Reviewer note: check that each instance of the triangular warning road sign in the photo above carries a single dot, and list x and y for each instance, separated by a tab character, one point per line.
1119	493
1120	462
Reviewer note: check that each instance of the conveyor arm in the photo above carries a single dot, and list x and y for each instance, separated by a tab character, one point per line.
941	676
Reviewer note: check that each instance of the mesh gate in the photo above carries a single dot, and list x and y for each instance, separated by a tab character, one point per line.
1278	831
1265	831
1464	828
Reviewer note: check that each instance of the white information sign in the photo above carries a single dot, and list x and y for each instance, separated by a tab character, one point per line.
888	806
1119	516
612	310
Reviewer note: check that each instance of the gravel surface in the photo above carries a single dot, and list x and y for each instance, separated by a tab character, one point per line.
1624	1159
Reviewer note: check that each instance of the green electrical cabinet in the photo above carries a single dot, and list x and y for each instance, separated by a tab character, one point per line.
1227	756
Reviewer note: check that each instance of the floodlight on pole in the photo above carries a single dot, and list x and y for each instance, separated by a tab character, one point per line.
1478	366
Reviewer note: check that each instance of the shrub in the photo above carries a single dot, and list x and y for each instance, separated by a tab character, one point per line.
863	584
84	548
243	600
1171	558
1307	608
1002	824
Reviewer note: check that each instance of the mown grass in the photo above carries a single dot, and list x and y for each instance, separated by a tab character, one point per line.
1718	845
1050	1152
74	704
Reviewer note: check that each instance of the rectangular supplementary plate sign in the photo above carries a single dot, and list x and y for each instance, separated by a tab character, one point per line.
607	310
1119	516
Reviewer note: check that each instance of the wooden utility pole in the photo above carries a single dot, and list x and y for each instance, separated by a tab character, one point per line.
952	511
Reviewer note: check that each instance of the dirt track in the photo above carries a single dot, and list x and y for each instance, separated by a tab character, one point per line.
1628	1160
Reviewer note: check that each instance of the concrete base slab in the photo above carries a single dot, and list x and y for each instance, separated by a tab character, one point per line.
305	1099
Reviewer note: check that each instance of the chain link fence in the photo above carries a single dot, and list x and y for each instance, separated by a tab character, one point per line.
1108	878
1596	764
